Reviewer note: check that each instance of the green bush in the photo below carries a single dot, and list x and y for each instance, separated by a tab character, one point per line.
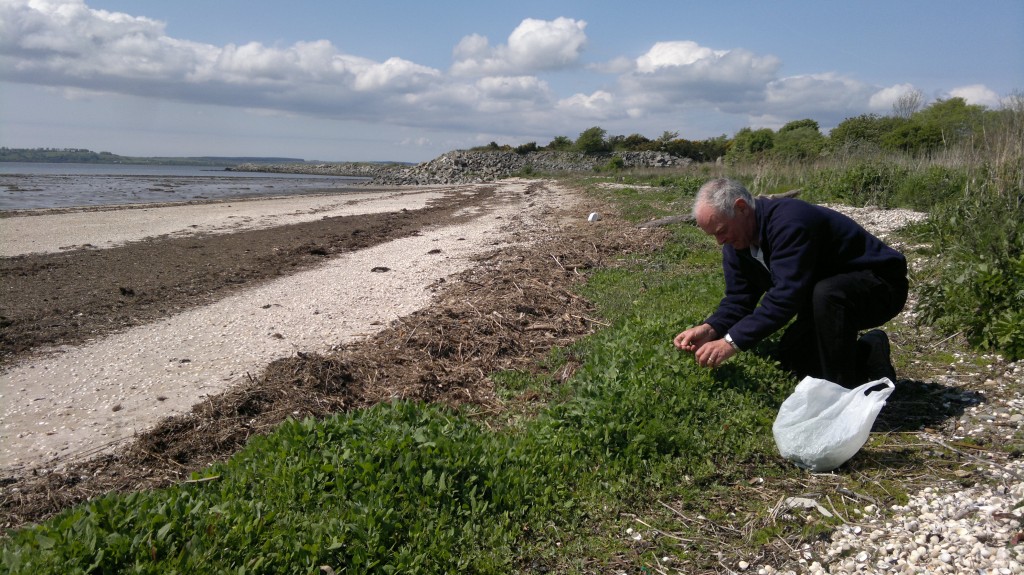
592	141
983	300
977	287
749	145
861	184
615	164
932	187
799	140
526	148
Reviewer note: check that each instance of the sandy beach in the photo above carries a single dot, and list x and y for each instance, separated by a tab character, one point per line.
81	400
60	230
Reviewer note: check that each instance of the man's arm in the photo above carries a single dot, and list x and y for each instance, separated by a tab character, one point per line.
742	291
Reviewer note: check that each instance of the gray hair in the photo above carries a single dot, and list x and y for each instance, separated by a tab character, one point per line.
721	194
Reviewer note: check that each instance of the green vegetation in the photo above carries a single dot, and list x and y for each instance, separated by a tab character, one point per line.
420	489
913	129
638	435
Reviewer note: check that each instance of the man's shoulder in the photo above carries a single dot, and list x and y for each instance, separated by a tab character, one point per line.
791	210
787	204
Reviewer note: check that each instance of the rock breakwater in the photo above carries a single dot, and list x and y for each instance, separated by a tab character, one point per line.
353	169
474	167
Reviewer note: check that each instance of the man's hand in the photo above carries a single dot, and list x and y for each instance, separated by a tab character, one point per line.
714	353
708	349
695	337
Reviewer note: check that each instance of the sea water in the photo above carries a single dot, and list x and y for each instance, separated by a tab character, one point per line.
29	185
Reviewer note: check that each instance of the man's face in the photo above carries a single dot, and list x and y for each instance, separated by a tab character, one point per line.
737	231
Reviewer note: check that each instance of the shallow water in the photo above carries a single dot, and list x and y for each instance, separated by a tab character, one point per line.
28	186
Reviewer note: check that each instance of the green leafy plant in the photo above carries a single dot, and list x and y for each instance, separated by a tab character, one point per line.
860	184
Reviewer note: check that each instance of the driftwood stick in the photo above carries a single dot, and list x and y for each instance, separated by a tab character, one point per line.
666	221
660	222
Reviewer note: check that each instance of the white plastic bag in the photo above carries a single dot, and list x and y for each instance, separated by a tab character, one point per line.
823	424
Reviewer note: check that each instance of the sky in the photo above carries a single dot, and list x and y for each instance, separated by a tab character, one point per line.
353	80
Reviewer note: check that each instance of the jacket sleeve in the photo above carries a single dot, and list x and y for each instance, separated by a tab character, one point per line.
741	294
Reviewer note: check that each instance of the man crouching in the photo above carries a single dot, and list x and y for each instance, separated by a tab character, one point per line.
798	260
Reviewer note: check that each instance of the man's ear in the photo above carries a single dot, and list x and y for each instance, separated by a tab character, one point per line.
740	205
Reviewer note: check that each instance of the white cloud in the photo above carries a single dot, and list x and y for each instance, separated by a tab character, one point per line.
600	105
416	142
827	98
535	45
57	26
92	54
674	75
395	74
620	65
675	54
770	121
472	47
882	100
513	88
68	44
538	44
814	92
977	94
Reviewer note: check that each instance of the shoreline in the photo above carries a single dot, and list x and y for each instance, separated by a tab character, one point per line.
51	230
87	399
29	212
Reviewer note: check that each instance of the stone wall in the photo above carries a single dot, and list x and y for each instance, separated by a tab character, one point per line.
471	167
462	167
355	169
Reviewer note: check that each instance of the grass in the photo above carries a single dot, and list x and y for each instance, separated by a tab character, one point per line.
640	462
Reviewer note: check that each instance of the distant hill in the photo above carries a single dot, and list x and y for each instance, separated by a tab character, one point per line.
83	156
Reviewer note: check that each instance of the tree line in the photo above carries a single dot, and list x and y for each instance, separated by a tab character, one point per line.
912	127
57	155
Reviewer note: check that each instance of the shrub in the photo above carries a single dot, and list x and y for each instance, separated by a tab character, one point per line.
592	141
802	142
526	148
978	286
749	145
983	300
862	184
925	190
560	143
615	164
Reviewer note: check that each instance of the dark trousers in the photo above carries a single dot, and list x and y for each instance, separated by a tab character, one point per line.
822	340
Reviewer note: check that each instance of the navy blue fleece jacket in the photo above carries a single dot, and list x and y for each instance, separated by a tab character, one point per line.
801	243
